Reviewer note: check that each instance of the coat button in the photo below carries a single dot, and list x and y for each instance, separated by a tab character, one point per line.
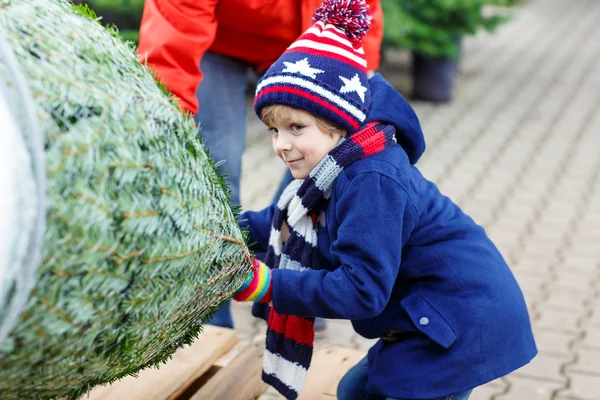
424	321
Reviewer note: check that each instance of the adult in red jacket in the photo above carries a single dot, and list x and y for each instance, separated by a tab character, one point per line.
176	34
217	42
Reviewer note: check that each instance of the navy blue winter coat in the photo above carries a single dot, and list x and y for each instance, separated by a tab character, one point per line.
397	255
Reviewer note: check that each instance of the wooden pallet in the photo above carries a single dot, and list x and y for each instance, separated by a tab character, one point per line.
217	366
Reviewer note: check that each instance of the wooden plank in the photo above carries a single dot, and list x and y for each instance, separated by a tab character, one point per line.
172	378
240	379
327	367
231	354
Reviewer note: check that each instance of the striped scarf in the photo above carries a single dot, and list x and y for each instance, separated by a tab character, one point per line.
289	344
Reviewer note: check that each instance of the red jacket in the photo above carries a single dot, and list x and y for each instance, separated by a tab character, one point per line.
175	34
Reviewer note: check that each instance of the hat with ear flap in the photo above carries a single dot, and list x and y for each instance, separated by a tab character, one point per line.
324	71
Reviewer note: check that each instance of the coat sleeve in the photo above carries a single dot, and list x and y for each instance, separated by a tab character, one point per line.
373	39
258	224
174	35
375	217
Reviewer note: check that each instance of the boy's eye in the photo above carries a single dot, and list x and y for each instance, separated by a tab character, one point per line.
273	131
296	127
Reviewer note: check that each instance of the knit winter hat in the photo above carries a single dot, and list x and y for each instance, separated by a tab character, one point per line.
324	71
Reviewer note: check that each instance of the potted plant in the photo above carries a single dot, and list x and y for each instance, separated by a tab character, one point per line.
433	30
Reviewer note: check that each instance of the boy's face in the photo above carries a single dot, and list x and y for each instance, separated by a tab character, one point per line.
301	144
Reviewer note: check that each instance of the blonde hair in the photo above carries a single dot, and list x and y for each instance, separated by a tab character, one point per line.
276	114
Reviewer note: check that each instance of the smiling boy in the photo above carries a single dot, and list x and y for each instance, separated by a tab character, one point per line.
362	235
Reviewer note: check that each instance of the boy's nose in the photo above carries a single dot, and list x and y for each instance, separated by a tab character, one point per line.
282	144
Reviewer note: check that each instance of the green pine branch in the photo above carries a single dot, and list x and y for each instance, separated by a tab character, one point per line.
141	244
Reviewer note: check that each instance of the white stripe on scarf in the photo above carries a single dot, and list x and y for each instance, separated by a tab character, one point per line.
326	173
291	374
301	222
275	240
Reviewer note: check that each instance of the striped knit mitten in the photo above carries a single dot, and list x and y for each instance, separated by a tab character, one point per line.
258	285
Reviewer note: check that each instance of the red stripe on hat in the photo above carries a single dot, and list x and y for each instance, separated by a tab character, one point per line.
336	31
323	39
321	27
299	92
327	54
298	329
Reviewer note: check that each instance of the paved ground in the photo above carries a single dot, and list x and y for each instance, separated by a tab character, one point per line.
519	150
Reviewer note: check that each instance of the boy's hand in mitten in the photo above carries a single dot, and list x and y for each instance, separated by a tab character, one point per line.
258	285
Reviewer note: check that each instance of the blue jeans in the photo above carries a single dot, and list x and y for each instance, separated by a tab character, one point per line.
353	386
222	120
222	114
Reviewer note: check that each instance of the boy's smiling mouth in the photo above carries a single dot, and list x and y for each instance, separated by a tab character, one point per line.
289	162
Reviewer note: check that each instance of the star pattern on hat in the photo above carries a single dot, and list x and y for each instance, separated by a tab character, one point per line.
353	85
302	67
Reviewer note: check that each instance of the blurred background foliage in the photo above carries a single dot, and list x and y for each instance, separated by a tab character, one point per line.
435	27
124	14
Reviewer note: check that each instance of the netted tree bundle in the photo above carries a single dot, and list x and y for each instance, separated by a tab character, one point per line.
141	244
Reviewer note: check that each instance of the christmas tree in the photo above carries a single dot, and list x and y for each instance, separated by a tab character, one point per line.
140	244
